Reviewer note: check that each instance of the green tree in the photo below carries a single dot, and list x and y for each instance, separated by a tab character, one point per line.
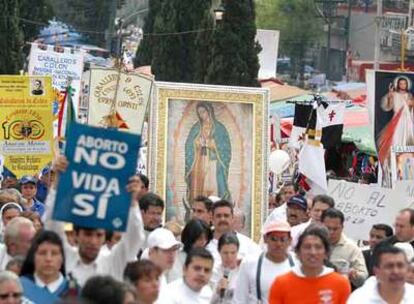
34	10
181	47
167	50
11	41
234	51
144	51
300	28
198	44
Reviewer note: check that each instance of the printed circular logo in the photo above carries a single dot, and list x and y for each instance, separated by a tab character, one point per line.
23	124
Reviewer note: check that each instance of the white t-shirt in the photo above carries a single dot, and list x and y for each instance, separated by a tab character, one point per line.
297	231
163	287
369	294
247	248
219	274
178	292
245	292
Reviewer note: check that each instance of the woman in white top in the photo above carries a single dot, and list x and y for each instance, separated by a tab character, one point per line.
196	234
225	277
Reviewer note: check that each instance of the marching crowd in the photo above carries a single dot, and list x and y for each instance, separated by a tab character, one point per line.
303	256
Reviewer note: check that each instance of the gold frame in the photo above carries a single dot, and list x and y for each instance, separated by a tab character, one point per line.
258	97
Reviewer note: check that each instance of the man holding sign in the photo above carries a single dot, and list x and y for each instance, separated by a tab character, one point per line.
92	194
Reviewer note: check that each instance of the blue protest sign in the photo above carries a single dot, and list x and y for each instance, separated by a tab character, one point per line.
92	192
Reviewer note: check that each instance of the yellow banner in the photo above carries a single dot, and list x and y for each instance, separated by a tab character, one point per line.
26	116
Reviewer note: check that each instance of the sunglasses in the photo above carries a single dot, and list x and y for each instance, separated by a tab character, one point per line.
15	295
275	238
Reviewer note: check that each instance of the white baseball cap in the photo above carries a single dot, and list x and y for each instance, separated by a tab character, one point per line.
162	238
407	248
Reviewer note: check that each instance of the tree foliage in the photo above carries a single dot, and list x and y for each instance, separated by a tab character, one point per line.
180	50
297	21
195	16
144	52
12	38
35	10
234	52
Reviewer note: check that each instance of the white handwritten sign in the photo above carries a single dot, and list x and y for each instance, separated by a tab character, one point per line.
364	206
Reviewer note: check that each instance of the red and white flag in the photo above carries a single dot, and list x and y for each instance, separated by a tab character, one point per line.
330	120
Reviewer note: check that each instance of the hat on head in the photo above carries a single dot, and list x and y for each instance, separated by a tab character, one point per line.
407	248
163	239
299	201
214	198
276	226
28	179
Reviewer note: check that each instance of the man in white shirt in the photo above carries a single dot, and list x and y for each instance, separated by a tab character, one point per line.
201	209
262	270
280	213
152	207
319	204
193	287
163	248
404	228
388	286
223	223
18	237
86	260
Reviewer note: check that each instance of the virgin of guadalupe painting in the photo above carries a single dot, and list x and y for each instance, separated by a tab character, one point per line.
207	156
210	154
209	141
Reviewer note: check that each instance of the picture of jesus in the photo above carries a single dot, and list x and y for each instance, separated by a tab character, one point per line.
207	156
400	129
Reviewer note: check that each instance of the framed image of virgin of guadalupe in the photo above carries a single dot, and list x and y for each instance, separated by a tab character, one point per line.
210	141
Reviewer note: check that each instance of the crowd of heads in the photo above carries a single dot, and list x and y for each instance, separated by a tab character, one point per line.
38	253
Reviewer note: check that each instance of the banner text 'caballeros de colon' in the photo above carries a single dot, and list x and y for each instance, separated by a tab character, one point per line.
63	67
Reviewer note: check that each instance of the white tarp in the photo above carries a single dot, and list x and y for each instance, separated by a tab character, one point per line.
269	40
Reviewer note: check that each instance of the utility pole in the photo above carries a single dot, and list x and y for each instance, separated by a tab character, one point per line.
378	21
348	25
328	13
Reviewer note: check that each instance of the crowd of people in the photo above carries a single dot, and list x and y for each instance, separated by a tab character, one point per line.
303	255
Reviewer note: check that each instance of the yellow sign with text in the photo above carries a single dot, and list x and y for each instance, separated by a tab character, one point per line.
26	117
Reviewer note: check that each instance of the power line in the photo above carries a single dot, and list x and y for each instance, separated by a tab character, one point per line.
102	33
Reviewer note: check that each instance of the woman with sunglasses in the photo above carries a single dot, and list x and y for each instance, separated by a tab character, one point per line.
43	273
11	291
